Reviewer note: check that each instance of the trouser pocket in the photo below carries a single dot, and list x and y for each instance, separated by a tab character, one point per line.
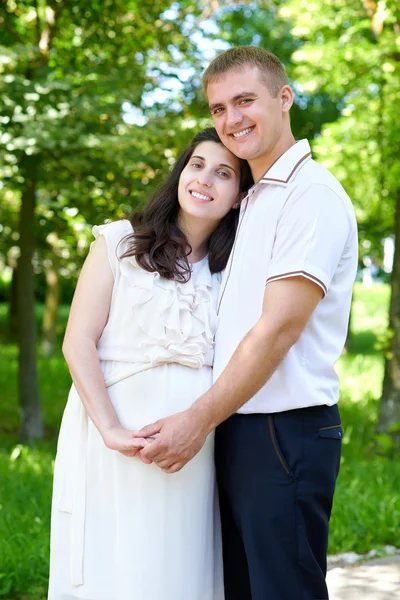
277	450
332	432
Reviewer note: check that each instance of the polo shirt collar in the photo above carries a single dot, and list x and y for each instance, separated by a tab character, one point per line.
287	165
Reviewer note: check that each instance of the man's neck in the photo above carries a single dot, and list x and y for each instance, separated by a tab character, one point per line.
260	165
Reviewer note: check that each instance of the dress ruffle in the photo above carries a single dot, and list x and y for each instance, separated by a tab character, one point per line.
177	320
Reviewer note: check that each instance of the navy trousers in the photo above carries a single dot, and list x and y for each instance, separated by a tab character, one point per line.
276	478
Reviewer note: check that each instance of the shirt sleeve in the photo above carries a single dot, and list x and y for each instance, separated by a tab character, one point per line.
311	236
113	233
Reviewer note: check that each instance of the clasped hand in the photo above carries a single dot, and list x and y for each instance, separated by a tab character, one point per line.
122	440
179	439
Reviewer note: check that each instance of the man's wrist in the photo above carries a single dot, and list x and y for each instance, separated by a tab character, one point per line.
203	413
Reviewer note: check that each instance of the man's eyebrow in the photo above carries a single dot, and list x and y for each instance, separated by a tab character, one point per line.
220	164
234	99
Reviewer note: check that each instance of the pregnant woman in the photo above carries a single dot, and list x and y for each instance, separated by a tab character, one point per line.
139	345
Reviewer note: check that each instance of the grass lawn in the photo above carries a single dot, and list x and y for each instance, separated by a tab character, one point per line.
367	503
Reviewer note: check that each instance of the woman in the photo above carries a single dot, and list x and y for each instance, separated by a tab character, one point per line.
139	344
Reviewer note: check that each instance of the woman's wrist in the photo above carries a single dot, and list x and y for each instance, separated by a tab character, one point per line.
108	430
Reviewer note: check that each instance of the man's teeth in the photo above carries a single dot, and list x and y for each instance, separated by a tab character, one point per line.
200	196
241	133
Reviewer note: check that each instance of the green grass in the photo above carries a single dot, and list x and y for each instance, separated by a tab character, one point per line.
366	510
26	472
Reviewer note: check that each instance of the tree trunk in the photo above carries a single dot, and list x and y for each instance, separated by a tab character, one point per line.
13	304
390	402
32	425
52	303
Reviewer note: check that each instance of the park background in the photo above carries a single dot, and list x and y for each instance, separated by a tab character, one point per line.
97	98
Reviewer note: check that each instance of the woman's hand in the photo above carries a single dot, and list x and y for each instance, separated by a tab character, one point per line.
122	440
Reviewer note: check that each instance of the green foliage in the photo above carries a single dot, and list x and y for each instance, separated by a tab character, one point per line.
350	50
67	70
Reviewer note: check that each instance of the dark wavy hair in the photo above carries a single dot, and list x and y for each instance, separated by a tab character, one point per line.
158	244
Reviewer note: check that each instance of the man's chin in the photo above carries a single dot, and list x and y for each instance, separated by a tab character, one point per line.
241	153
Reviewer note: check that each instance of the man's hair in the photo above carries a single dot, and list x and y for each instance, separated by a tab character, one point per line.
273	74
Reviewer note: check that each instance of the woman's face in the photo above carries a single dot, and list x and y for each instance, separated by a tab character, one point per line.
209	184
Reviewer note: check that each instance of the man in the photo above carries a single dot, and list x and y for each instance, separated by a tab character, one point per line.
284	308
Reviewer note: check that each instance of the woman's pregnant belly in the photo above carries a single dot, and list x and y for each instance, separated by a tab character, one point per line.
158	392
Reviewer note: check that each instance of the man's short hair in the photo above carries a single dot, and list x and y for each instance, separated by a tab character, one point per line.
273	74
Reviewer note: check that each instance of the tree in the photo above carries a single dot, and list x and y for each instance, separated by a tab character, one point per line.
65	70
350	50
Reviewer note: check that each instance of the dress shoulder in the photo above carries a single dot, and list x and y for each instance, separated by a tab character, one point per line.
114	233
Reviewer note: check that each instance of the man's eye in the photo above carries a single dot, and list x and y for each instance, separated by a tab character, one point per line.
245	100
217	110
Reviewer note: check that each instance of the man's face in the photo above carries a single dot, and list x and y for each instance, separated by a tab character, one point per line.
248	119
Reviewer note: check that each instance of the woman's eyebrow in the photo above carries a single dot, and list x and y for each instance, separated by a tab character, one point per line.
220	164
227	166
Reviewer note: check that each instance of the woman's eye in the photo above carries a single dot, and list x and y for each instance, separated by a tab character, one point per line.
196	165
223	174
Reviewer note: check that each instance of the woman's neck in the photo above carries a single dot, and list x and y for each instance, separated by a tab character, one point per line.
198	233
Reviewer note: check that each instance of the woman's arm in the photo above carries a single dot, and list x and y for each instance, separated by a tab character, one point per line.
87	319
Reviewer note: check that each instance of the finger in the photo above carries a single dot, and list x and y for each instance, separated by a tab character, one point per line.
154	451
139	443
174	468
164	464
129	453
149	430
146	461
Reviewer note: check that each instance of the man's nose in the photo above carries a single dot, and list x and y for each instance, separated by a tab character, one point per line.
233	116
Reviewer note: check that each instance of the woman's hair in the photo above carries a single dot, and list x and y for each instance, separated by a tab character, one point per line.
158	244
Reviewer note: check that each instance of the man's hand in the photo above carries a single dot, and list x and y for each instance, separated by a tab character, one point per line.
121	439
179	439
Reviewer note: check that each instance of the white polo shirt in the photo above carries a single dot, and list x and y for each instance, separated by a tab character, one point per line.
297	220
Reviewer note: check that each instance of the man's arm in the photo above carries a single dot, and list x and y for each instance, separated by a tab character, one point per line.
287	307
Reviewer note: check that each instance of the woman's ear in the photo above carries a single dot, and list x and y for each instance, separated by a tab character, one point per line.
239	200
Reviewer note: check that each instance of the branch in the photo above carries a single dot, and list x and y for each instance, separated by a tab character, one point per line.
60	163
8	27
38	28
376	16
47	36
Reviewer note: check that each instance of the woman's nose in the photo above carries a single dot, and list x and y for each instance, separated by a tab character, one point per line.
205	178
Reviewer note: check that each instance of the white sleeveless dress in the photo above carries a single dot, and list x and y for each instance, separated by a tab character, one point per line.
120	529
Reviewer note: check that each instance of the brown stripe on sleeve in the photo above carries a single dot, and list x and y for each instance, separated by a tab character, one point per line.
297	274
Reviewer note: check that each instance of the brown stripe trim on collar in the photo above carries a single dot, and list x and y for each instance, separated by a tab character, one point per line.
291	173
295	274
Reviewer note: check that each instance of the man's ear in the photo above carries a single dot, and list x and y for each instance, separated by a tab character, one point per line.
287	98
